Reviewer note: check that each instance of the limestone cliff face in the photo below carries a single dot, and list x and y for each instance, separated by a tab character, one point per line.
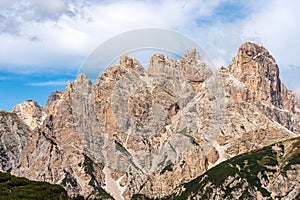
57	151
30	113
255	67
13	136
149	131
215	125
15	129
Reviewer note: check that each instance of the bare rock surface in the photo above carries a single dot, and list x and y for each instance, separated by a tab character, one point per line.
30	113
255	67
13	137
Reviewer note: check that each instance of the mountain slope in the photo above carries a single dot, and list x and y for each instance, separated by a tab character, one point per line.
272	172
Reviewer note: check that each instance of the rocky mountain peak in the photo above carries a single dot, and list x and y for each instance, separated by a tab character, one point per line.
251	51
192	55
31	113
257	69
81	82
53	99
129	62
159	59
190	67
82	78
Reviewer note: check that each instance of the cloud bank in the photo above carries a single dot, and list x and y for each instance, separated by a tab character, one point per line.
59	34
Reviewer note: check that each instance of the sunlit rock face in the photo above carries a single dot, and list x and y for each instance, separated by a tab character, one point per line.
30	113
149	131
255	67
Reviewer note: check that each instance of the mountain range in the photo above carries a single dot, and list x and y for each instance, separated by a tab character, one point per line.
175	130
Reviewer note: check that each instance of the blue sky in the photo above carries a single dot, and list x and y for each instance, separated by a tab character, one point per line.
43	43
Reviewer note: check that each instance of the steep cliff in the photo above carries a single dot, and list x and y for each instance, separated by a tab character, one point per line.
255	67
57	151
13	134
30	113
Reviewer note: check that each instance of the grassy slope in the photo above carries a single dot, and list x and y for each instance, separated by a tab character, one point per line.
245	167
12	187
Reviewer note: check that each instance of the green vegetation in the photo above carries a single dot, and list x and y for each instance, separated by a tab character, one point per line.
169	167
139	197
12	187
69	179
10	147
89	169
3	157
245	169
293	157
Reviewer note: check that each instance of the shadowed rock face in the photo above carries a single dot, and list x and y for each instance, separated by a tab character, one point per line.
13	134
137	131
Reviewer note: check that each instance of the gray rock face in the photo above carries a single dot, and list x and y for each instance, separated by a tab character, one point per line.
137	131
13	135
57	151
30	113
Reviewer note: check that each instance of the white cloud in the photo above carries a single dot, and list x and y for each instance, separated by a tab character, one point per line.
48	35
277	27
48	83
6	3
61	33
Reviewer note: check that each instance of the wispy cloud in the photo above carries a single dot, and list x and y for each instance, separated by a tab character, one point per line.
48	83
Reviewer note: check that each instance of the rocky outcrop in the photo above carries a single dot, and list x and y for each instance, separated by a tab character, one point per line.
255	67
150	131
13	134
30	113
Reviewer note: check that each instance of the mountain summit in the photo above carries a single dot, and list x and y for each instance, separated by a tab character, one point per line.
150	131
